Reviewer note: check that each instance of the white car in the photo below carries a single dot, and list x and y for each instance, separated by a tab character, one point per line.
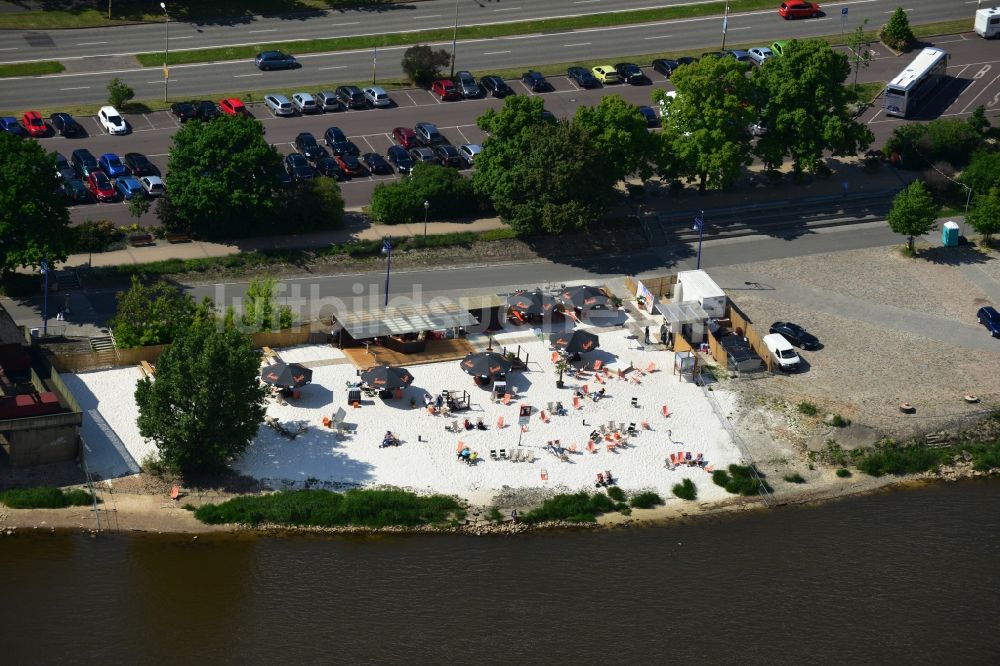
111	120
468	151
759	54
153	185
782	352
377	96
303	102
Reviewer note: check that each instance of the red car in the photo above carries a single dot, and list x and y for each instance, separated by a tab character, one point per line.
798	9
34	124
100	186
405	137
233	107
446	89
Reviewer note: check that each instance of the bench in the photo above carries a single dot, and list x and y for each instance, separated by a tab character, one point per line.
178	238
146	369
141	239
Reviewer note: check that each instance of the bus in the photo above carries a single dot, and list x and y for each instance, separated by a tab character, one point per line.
921	76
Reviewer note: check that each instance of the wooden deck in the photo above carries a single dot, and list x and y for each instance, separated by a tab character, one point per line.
436	351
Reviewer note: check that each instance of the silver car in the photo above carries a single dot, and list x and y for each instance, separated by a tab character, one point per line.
759	54
377	97
279	105
468	152
327	101
467	85
303	102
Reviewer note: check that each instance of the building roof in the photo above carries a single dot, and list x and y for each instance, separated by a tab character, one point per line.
686	312
10	333
398	320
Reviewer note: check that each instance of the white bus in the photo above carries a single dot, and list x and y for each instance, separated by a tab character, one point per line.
921	76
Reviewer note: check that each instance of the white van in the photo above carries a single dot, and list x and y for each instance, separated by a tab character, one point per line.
988	22
782	352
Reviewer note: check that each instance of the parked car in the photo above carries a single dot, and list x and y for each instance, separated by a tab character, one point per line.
112	165
469	152
795	334
712	54
495	85
83	161
153	185
75	191
377	97
686	60
9	124
605	74
428	134
447	155
399	158
34	124
779	47
759	128
334	135
298	167
304	103
467	85
129	188
446	90
535	82
231	106
184	111
793	9
65	124
405	137
582	77
990	318
206	110
345	148
279	105
111	120
649	116
740	55
423	155
64	171
306	144
328	166
759	54
782	352
376	163
328	101
350	164
100	186
352	97
139	165
266	60
665	66
630	73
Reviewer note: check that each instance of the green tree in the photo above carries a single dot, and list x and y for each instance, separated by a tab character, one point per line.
151	314
539	176
620	133
984	216
948	140
34	221
449	194
897	34
983	171
913	212
978	121
221	180
807	108
138	206
119	93
314	204
206	403
259	307
423	64
705	125
861	53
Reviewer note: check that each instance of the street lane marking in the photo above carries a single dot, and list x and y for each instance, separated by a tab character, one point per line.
334	67
161	81
91	43
659	37
243	76
420	18
506	9
495	52
253	32
580	44
184	37
339	25
585	2
77	88
9	48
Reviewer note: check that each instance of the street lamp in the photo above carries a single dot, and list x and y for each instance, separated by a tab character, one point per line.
43	265
427	207
699	224
166	48
387	251
454	40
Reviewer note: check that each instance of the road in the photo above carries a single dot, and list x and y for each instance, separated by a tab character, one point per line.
975	65
87	82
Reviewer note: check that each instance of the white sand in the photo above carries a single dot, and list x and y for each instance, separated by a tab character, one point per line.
431	465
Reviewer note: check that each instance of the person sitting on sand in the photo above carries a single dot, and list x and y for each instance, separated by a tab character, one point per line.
480	425
468	425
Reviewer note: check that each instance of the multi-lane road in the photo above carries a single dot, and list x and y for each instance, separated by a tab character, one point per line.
104	53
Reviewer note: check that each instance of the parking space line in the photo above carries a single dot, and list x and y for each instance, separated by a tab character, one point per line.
464	138
365	137
985	88
149	121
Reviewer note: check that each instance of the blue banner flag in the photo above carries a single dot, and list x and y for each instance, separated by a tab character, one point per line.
386	246
699	222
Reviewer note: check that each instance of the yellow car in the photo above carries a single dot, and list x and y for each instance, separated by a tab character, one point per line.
605	74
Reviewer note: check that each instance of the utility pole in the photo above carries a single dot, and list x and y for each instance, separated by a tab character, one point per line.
454	40
725	27
166	49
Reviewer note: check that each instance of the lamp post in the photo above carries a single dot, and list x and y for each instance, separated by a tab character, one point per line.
725	27
454	40
968	198
699	224
43	265
427	207
387	251
166	48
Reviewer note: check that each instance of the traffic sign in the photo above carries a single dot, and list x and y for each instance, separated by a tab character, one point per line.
843	10
166	72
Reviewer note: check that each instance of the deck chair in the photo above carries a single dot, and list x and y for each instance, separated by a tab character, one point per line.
586	388
493	454
529	456
600	380
665	410
555	357
611	446
503	454
506	398
631	429
552	407
597	364
515	455
611	425
709	468
635	379
591	446
500	423
514	391
651	368
460	446
576	403
673	460
572	448
687	456
543	416
645	425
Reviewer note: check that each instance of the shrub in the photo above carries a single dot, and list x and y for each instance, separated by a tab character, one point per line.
843	472
686	490
739	480
580	507
896	459
794	478
839	421
315	205
616	493
897	34
494	515
119	93
983	171
91	236
423	64
807	408
625	511
44	497
941	140
448	193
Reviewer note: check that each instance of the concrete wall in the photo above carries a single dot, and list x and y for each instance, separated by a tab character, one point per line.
42	446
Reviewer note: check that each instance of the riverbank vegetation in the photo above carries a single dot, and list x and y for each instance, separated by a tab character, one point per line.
739	480
44	498
581	507
686	490
323	508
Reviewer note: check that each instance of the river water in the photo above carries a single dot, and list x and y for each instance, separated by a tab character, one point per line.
908	576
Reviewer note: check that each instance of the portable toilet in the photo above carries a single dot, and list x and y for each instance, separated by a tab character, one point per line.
949	234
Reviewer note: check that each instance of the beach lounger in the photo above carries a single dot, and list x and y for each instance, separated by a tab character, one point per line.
635	379
555	357
600	480
673	459
621	426
665	410
645	425
460	446
506	398
608	479
631	429
709	468
651	368
572	448
493	454
586	389
591	446
514	390
611	446
600	380
576	403
503	454
611	425
597	364
529	456
500	423
543	416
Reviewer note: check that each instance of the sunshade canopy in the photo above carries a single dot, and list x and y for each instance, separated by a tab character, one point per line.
486	364
584	296
575	342
291	375
387	377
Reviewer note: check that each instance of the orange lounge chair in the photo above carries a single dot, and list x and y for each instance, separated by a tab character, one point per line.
586	388
665	410
572	448
326	421
591	446
430	409
506	398
597	364
651	367
645	425
543	416
576	403
357	405
600	380
611	446
673	459
555	357
500	423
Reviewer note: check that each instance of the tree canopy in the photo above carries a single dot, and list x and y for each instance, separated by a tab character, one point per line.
984	216
423	64
34	221
205	405
620	133
151	314
221	179
449	194
260	312
913	212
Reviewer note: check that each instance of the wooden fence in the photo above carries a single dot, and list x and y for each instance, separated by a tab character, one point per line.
740	321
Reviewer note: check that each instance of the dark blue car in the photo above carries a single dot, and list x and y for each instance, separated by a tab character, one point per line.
10	124
111	165
990	318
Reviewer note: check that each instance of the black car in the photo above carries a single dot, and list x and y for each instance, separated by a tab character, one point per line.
399	158
75	191
345	148
66	125
298	167
686	60
84	162
649	116
448	155
665	67
206	110
351	96
184	111
306	144
630	73
139	165
334	135
64	171
376	163
266	60
582	77
328	166
535	81
795	334
495	85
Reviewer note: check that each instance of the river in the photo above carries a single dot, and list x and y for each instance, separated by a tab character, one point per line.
903	576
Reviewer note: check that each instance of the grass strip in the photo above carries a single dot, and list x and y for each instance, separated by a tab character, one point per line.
44	497
323	508
31	68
